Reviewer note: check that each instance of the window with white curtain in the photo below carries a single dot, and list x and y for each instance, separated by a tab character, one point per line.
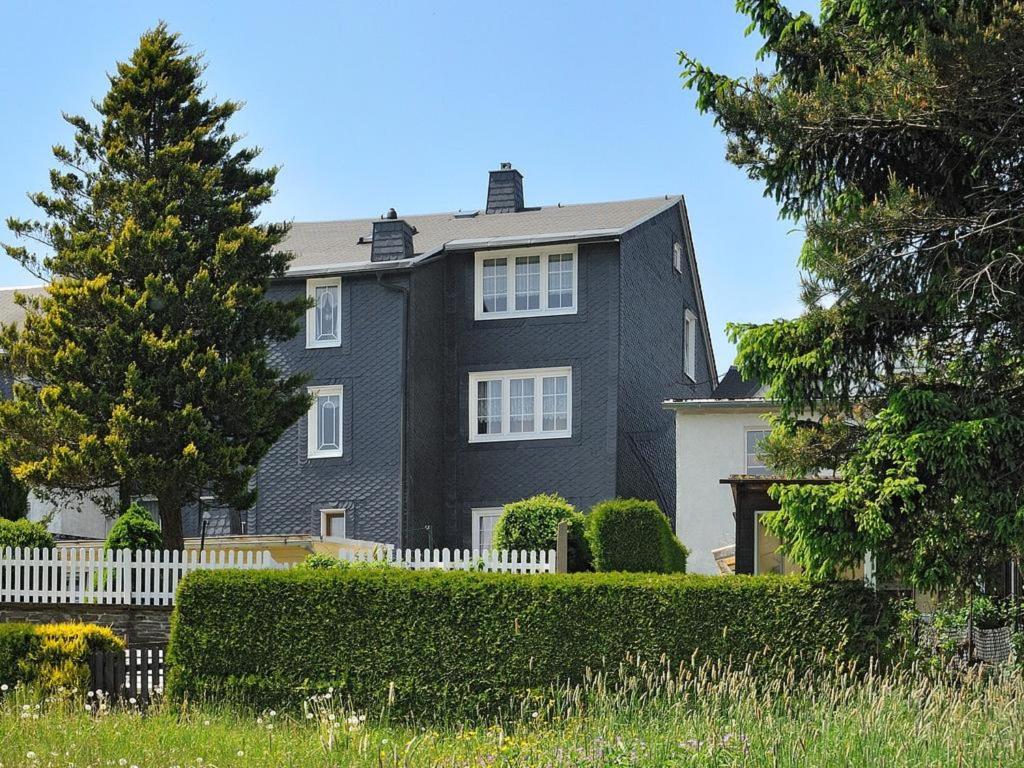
325	422
526	404
323	318
484	520
525	282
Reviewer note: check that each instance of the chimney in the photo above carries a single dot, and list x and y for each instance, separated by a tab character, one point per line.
505	190
392	238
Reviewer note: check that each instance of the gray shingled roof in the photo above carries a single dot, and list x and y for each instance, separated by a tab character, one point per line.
336	243
333	244
11	312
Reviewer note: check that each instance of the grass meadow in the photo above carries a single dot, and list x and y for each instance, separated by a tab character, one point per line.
644	715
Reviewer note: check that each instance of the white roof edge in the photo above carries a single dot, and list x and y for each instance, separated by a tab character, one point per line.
554	237
711	404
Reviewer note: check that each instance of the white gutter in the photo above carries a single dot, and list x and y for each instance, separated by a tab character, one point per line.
710	405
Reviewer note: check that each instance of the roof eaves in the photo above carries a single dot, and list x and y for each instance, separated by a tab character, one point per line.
357	266
480	243
711	404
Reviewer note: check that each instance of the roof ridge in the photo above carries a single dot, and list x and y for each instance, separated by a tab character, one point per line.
666	198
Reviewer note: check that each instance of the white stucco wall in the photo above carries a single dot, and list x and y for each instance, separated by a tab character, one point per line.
710	445
79	518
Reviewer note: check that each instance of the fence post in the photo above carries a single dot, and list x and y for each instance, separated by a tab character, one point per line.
562	548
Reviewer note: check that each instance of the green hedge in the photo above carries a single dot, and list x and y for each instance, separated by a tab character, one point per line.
135	529
532	524
17	643
633	535
455	644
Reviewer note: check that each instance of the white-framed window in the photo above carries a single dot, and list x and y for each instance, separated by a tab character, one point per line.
690	344
677	257
332	523
529	404
484	520
323	319
752	443
325	422
526	282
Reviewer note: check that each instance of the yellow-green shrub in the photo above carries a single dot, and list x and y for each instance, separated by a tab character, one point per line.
53	656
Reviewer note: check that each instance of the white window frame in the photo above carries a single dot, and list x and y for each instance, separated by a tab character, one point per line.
690	344
677	257
746	455
478	514
510	255
326	514
311	285
537	374
312	423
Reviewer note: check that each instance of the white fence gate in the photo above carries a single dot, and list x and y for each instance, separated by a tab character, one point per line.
109	577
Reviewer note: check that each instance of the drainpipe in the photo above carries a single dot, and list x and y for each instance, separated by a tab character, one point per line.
404	290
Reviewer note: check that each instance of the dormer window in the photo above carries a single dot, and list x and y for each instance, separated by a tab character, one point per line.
323	319
526	282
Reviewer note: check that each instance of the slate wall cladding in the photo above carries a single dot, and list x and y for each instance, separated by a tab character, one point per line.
581	468
654	298
424	486
366	481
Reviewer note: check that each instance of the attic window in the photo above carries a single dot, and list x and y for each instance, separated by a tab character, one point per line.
364	240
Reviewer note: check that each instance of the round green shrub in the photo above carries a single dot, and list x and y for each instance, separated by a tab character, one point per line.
25	534
135	529
532	524
633	535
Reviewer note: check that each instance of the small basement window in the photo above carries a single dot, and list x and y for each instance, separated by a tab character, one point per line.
332	523
484	520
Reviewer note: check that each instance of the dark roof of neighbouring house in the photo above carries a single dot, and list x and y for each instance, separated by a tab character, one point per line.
734	387
333	244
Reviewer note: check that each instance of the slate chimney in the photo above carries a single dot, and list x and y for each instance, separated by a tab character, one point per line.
392	238
505	190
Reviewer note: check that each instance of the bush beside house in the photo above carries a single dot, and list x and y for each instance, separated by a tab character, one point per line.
459	644
25	534
532	524
633	535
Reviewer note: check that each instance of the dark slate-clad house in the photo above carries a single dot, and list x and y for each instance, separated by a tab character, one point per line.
460	361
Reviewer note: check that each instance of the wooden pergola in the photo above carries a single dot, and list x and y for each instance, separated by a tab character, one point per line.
750	496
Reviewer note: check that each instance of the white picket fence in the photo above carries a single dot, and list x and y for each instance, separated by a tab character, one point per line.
109	577
121	577
487	560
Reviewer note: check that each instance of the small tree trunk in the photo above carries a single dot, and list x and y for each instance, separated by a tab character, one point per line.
169	506
124	496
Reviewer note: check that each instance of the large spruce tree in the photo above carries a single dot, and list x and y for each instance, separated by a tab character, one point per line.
893	132
144	366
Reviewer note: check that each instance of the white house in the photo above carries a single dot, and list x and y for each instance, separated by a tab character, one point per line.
716	439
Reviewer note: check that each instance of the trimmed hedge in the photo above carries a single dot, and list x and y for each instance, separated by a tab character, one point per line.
633	535
532	524
53	656
25	534
456	644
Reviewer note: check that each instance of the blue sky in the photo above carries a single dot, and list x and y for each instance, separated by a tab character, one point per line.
370	105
